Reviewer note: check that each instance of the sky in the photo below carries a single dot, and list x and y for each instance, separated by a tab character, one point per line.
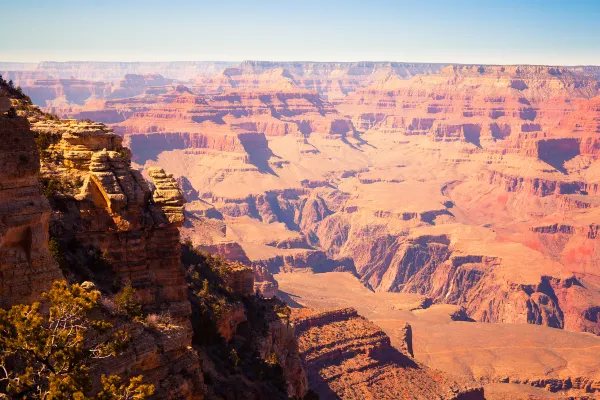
448	31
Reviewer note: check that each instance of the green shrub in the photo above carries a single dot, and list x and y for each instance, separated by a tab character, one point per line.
57	253
127	303
48	355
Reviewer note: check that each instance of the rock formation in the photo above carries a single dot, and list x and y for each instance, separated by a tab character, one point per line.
112	209
99	205
133	85
264	283
61	93
347	357
558	362
26	266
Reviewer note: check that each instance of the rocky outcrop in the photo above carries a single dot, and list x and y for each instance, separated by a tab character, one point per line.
26	266
115	211
229	320
346	356
264	282
162	355
539	186
554	385
282	342
240	279
316	261
102	206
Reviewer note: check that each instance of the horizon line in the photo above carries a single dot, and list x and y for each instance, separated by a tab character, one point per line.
304	62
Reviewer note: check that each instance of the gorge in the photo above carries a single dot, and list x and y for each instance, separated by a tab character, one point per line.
433	227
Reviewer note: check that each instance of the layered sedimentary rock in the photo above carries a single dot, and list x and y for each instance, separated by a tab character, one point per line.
264	283
65	92
133	85
347	356
269	112
286	180
104	207
479	105
114	210
26	266
331	80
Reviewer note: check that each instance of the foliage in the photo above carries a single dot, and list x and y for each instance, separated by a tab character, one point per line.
50	187
15	92
205	291
159	322
113	389
281	309
272	359
46	355
127	303
212	268
12	113
56	252
206	275
43	140
66	185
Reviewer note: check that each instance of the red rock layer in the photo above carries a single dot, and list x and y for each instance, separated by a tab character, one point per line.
480	105
348	357
26	266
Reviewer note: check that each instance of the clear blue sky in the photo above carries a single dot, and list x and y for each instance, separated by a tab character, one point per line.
465	31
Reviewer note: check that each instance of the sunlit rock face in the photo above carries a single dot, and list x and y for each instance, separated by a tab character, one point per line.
26	266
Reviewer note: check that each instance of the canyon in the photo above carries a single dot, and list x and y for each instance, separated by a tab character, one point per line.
461	201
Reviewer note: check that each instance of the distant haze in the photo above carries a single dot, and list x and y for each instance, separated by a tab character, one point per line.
464	31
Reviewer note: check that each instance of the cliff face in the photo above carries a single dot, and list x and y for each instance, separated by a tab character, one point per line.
347	356
26	266
111	208
107	226
112	227
247	344
104	208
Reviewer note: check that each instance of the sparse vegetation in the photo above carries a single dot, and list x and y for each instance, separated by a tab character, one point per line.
126	302
13	91
65	185
57	252
43	140
46	355
210	296
159	322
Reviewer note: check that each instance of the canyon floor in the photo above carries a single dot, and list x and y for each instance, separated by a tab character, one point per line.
487	353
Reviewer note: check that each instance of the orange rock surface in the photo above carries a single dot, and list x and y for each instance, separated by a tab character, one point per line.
348	357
